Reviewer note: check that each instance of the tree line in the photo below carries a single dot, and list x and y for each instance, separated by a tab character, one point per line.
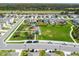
36	6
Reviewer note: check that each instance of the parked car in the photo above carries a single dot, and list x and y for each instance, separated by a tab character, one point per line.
29	42
35	41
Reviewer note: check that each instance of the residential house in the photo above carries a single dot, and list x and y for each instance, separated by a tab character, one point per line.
76	22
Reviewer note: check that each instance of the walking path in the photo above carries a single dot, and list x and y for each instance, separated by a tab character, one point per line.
71	34
15	28
46	41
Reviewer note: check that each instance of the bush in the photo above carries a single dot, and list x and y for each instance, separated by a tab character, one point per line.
24	53
75	53
42	53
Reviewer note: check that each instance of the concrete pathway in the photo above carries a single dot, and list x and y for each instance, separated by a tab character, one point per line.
71	34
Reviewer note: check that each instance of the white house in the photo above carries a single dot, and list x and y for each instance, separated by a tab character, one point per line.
52	21
9	20
76	22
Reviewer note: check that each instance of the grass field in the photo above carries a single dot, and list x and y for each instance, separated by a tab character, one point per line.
6	52
19	36
56	32
59	53
48	32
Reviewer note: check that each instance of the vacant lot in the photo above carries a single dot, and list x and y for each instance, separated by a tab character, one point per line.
56	32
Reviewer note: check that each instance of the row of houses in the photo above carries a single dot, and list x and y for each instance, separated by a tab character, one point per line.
33	16
47	18
41	16
6	21
75	19
51	21
76	22
47	15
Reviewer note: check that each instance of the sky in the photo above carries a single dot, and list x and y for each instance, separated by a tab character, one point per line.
39	1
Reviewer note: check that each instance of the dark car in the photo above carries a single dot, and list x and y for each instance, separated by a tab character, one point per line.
29	42
35	41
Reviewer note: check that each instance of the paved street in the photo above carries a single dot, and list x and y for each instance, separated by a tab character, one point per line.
42	46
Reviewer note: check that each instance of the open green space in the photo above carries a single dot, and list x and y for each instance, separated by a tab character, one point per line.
55	32
6	52
22	33
24	53
23	27
59	53
14	42
48	32
19	36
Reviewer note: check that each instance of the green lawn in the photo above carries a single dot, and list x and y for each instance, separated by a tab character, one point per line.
23	27
19	36
15	42
59	53
24	52
6	52
55	32
48	32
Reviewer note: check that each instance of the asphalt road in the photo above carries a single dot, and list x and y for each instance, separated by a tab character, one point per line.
42	46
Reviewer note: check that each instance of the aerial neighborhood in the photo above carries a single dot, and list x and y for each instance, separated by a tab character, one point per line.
39	30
